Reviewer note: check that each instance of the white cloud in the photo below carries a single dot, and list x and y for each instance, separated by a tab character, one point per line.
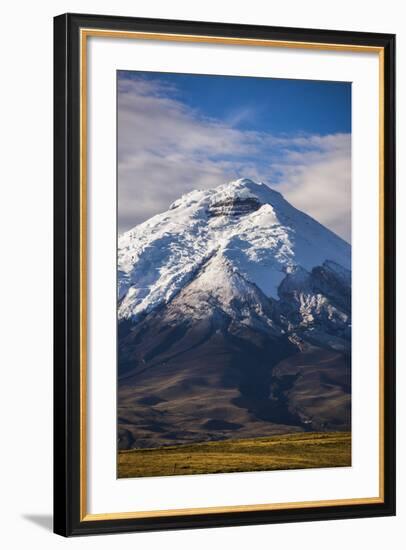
318	181
166	149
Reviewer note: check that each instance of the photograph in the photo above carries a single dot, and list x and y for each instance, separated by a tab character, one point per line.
233	274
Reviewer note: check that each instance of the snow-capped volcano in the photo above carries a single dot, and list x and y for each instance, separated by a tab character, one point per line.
234	321
241	226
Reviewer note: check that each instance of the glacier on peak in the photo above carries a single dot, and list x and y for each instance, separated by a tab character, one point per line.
247	224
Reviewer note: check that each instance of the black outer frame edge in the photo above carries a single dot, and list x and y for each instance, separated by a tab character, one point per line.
66	272
230	519
390	273
66	277
233	30
61	249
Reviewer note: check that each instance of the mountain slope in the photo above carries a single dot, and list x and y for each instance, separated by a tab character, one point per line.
234	321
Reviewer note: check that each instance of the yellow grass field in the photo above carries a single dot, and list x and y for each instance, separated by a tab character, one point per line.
282	452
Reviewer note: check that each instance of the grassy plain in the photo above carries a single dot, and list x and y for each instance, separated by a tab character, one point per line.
282	452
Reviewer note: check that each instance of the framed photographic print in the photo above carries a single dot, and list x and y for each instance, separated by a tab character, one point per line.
224	274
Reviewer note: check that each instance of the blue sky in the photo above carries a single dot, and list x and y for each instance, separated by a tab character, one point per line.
273	105
179	132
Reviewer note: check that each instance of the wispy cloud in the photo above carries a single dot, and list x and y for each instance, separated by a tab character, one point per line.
317	179
166	149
